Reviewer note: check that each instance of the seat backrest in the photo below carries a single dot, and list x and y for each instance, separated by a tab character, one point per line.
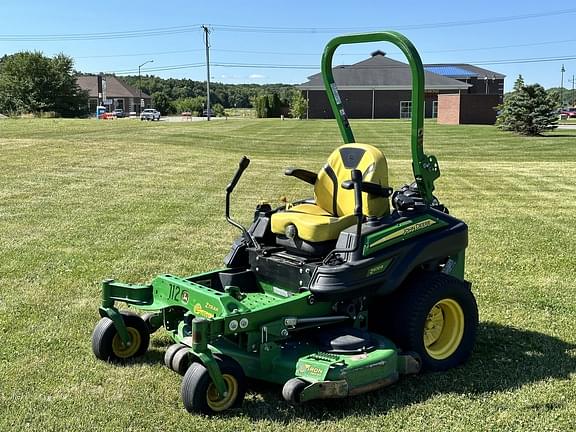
328	190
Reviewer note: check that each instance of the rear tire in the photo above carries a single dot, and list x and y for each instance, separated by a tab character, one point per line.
432	314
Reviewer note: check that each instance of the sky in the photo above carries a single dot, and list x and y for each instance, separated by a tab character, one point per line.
276	41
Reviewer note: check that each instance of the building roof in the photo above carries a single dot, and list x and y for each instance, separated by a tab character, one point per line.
115	88
381	73
451	71
462	70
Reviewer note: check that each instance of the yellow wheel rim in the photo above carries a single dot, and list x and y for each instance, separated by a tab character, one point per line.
126	351
212	397
443	329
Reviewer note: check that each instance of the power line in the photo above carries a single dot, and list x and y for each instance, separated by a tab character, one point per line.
292	30
140	54
316	67
163	31
100	35
316	54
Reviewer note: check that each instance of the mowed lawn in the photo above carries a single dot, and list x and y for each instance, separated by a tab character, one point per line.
81	201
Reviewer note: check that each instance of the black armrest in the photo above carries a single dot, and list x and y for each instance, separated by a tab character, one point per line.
302	174
371	188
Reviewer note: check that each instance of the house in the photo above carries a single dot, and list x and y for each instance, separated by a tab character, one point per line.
112	93
380	87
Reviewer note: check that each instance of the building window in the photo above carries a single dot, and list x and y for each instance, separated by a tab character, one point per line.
434	109
405	109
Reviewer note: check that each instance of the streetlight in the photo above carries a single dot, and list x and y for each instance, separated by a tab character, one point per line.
140	83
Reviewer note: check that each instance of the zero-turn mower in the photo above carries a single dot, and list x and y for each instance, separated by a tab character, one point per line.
330	297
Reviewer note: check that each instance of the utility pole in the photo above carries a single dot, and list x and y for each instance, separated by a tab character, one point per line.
206	33
562	87
573	98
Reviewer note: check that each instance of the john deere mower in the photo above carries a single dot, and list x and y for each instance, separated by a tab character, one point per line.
329	297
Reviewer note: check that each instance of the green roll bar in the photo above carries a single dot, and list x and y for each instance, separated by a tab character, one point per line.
425	167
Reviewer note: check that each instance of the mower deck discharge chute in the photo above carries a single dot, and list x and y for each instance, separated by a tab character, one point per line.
330	297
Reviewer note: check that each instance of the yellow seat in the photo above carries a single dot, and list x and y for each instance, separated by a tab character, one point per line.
333	209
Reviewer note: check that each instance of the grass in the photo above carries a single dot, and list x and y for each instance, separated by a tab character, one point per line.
86	200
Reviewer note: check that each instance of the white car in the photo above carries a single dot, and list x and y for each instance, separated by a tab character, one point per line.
150	114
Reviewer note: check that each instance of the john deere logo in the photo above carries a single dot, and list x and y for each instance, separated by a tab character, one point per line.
184	296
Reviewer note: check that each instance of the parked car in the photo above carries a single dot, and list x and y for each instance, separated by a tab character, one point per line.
106	116
119	112
568	112
150	114
205	113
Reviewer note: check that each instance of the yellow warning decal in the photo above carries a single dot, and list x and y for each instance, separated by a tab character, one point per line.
199	311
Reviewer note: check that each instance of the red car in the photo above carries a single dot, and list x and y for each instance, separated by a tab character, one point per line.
568	112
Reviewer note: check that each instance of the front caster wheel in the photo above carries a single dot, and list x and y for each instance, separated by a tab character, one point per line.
107	345
199	393
293	389
170	352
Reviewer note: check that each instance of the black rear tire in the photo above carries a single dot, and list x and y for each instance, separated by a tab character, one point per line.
199	393
432	314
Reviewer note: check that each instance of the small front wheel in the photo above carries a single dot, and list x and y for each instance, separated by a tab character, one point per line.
107	345
199	393
293	389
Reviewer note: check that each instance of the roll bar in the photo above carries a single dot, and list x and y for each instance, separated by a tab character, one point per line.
425	167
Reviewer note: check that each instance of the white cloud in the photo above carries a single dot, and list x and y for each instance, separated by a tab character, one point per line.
256	76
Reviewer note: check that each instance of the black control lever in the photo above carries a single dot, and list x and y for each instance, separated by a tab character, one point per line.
244	162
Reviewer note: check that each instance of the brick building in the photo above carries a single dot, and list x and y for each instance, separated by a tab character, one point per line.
380	87
118	94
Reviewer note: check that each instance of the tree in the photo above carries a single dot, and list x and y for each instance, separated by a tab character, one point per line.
262	106
161	102
218	110
298	105
33	83
568	97
193	105
528	110
275	105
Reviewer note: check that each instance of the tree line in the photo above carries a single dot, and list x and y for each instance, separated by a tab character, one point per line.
33	83
172	95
